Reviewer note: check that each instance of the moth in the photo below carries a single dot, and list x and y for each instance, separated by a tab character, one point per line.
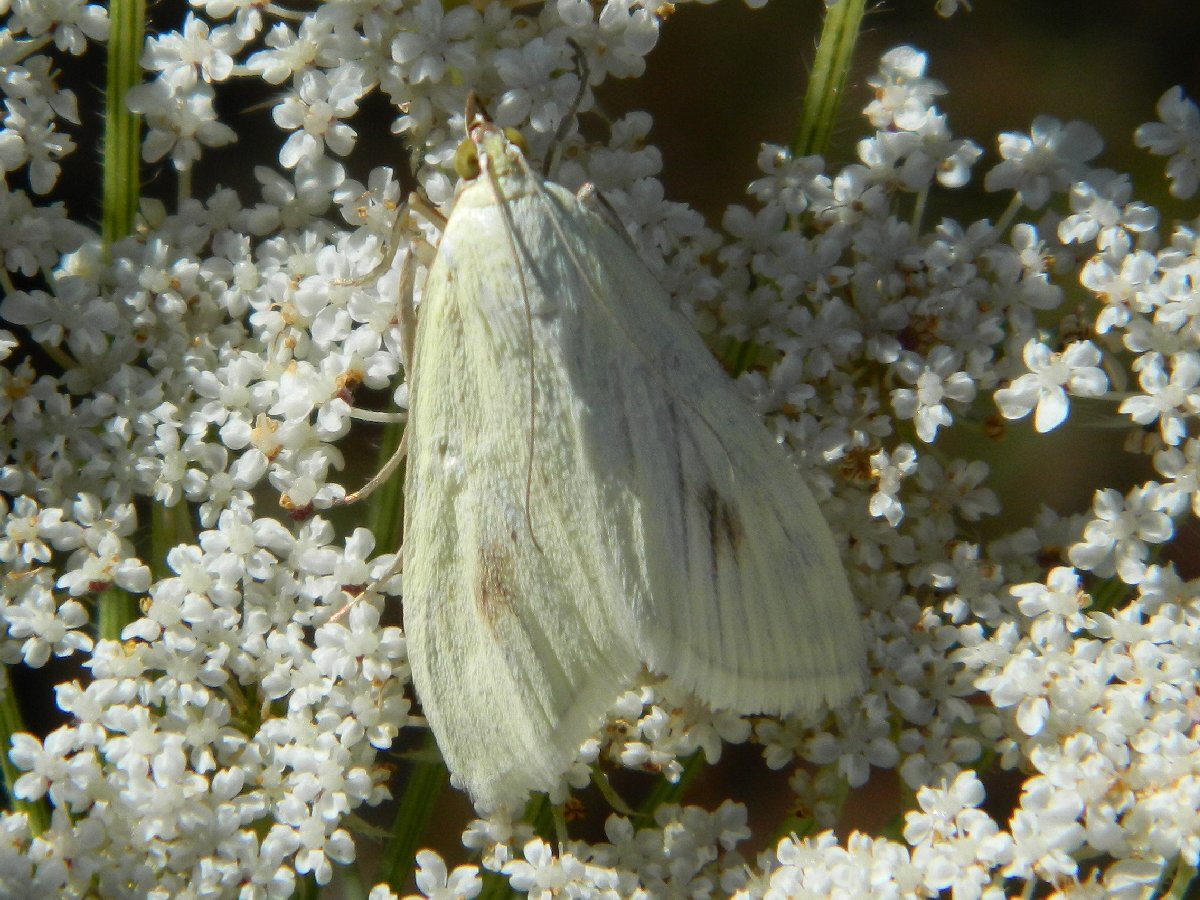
587	493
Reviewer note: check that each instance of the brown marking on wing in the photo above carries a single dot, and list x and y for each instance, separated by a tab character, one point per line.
724	526
493	591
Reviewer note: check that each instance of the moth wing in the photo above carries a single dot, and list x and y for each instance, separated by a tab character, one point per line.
517	639
740	592
587	492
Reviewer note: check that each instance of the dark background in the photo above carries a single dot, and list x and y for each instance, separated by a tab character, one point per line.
725	77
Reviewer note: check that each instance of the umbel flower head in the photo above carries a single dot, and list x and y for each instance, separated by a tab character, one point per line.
167	385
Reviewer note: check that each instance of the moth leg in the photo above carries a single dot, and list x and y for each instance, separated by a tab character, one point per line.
388	470
402	226
406	319
374	587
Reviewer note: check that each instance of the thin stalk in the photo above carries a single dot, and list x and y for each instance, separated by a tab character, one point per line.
122	184
36	811
417	805
835	52
122	129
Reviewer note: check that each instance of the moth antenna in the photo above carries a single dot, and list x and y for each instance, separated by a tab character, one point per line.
475	109
609	793
470	110
564	125
592	199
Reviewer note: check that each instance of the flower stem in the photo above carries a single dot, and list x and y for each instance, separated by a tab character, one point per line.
828	79
425	784
36	812
122	185
122	175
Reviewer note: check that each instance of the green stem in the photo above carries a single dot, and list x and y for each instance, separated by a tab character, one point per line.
664	791
122	175
36	811
306	889
114	610
822	99
1185	877
350	879
122	184
425	786
828	79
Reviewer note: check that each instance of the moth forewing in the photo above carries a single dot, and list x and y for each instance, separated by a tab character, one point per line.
511	646
588	493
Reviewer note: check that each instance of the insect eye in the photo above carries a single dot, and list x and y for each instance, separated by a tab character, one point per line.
466	160
516	139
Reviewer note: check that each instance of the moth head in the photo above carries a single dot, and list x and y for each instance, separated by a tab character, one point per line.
503	148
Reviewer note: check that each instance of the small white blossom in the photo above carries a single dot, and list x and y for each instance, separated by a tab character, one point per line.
436	883
180	123
1051	377
435	41
1177	135
1167	398
1118	538
313	113
1045	161
903	94
936	379
193	52
891	469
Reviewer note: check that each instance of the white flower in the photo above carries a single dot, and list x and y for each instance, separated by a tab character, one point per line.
1125	282
194	51
903	95
1045	161
72	23
628	31
44	627
1045	833
313	113
1177	136
180	122
541	874
1103	213
435	41
937	379
1117	539
30	139
1169	399
956	844
891	470
1051	376
1060	601
434	882
62	766
531	91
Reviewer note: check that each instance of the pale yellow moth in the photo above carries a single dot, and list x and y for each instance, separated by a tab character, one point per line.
587	493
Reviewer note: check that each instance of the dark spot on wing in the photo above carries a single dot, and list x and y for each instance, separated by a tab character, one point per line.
724	527
493	588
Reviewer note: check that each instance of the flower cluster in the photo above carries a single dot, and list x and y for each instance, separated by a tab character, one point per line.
177	381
